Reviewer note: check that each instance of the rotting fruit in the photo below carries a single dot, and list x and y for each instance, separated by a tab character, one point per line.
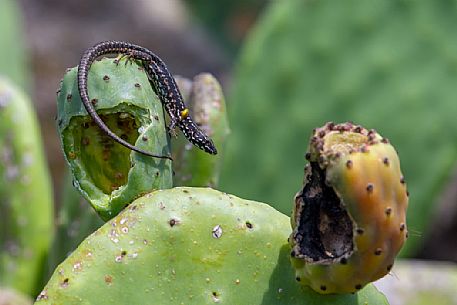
349	220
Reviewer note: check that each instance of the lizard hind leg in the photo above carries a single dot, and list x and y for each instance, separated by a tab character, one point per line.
130	57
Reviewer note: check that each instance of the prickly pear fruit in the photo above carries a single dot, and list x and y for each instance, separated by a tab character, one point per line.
188	246
26	204
205	99
349	220
106	173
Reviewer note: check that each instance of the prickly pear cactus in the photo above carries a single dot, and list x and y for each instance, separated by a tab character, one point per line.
76	220
192	166
13	62
26	205
106	173
308	62
349	220
188	246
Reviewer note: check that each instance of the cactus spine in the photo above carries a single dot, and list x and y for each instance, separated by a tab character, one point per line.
349	221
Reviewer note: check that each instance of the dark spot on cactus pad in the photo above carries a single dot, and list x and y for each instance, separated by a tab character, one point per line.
65	283
343	261
402	180
308	156
123	253
106	78
144	138
323	287
378	251
407	193
292	253
69	96
156	117
172	222
137	85
94	101
108	279
298	279
385	141
85	141
386	161
216	297
370	188
389	267
358	286
349	164
360	231
116	61
324	229
249	225
185	191
388	211
402	226
407	234
60	122
157	174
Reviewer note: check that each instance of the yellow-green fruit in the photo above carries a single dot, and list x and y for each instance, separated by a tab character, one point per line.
349	220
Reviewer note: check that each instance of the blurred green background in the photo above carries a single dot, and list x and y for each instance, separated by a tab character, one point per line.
286	66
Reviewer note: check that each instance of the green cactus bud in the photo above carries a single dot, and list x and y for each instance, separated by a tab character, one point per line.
26	204
11	297
192	166
108	174
349	221
75	221
188	246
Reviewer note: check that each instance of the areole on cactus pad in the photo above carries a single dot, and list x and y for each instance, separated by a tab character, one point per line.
349	220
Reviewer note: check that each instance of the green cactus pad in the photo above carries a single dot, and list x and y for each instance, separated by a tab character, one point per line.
188	246
391	65
26	204
13	55
108	174
205	99
75	221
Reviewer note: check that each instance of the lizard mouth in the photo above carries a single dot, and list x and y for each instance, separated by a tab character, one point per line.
324	230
